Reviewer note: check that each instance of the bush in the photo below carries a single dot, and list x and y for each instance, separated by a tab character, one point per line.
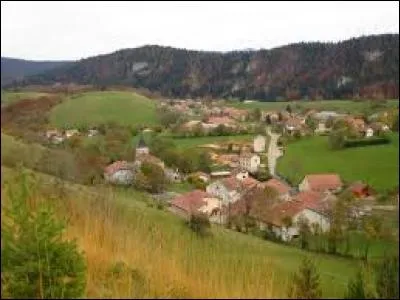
366	142
35	261
305	284
200	224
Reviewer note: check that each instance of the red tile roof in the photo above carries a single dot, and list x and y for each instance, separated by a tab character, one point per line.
323	182
279	186
191	202
232	183
220	120
116	166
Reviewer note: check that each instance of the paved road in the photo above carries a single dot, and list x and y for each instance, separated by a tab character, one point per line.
273	151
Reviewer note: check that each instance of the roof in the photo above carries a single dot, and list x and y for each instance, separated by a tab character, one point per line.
323	182
220	120
116	166
247	155
279	186
359	187
141	143
192	201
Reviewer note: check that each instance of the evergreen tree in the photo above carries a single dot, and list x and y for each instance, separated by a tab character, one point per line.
35	260
387	277
305	284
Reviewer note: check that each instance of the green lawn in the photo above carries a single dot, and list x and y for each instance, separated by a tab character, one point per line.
11	97
376	165
336	105
92	108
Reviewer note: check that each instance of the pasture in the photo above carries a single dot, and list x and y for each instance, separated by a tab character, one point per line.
377	165
94	108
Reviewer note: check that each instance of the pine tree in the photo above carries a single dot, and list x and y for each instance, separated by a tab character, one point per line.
35	261
305	284
387	277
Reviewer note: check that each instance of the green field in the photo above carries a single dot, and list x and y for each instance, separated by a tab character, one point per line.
187	143
376	165
345	106
227	264
11	97
93	108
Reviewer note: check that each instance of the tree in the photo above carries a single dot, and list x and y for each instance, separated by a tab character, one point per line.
387	277
372	226
305	283
150	178
304	233
337	139
289	109
311	123
395	124
199	223
36	262
256	114
329	122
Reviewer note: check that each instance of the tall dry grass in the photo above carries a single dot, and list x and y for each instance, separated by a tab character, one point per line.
136	251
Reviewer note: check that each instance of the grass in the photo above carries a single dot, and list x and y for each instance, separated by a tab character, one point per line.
345	106
93	108
377	165
187	143
11	97
171	261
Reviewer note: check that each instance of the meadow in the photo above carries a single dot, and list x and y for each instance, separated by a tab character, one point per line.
344	106
12	97
158	256
93	108
377	165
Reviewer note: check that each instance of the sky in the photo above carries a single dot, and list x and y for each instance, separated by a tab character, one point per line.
63	30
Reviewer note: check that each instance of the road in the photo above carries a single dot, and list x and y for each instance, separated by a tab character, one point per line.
273	151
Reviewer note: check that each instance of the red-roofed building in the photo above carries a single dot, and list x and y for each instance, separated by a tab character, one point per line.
196	202
119	172
280	187
321	183
360	190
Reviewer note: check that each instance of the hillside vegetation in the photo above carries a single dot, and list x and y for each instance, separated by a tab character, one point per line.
94	108
366	66
15	69
136	250
376	165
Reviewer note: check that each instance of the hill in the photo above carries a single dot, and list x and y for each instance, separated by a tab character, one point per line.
376	165
93	108
133	249
15	69
366	67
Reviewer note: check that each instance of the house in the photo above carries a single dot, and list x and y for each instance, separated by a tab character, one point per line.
142	148
321	183
226	121
293	124
357	124
119	172
325	115
249	162
284	218
55	136
379	127
369	132
321	128
173	175
259	143
196	202
280	187
93	132
230	189
71	132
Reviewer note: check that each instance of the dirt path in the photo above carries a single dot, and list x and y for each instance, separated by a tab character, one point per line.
273	151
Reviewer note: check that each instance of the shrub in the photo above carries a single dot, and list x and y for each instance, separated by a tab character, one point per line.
387	277
35	261
200	224
305	284
366	142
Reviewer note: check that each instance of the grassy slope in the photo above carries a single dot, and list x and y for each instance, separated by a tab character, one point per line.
92	108
161	248
377	165
337	105
10	97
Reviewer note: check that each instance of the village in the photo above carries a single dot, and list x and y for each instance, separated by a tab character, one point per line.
232	194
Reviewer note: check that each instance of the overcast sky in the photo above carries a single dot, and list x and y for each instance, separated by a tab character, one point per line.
74	30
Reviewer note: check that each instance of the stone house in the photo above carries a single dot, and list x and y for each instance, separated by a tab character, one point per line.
249	162
259	144
120	172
